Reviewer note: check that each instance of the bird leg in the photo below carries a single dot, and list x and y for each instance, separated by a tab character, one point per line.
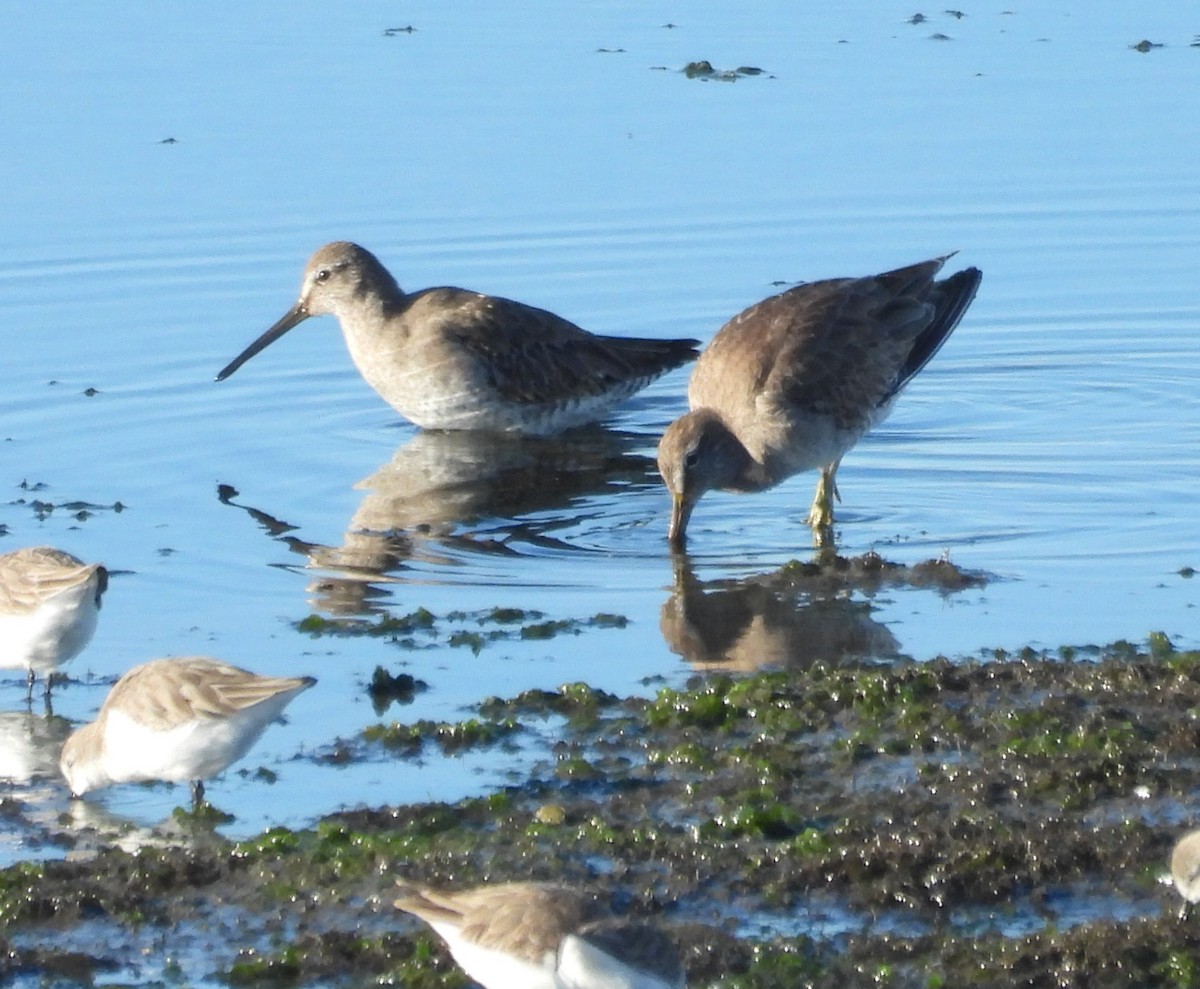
197	794
820	516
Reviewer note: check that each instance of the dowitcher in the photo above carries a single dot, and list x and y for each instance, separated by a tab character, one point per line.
545	936
179	720
793	382
49	603
447	358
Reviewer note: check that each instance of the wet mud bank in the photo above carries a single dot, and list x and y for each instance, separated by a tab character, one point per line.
998	821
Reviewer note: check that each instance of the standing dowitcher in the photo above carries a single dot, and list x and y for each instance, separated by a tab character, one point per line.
446	358
793	382
49	602
179	720
545	936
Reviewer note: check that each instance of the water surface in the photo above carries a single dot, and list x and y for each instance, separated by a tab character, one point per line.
170	171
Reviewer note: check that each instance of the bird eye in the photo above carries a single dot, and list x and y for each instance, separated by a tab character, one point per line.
323	275
691	458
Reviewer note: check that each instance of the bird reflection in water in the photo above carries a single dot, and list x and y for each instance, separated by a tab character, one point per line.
30	744
444	495
767	620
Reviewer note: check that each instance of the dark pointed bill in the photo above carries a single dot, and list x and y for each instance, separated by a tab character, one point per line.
297	314
681	511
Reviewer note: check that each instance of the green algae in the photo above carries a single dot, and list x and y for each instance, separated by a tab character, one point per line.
451	737
422	629
914	792
411	962
579	703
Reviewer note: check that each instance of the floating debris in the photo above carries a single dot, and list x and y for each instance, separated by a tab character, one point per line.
386	689
703	69
1145	45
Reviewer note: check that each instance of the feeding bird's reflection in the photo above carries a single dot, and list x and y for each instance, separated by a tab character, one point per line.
767	620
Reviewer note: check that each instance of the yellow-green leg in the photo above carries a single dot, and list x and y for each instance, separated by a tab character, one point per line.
820	516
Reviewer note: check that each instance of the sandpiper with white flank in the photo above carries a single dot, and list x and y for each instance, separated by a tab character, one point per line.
1185	871
448	358
545	936
795	381
177	720
49	603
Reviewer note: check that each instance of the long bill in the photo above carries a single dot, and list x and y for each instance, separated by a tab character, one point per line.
294	316
681	511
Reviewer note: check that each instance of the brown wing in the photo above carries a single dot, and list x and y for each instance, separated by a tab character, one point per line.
524	919
843	355
34	574
168	692
850	345
533	356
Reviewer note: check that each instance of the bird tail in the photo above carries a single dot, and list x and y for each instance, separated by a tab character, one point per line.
950	298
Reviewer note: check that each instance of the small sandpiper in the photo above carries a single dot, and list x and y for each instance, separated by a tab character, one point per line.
793	382
49	603
178	720
545	936
1185	871
447	358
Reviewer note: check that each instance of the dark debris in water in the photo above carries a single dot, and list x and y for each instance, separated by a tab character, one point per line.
831	573
386	689
1146	45
79	510
703	69
997	823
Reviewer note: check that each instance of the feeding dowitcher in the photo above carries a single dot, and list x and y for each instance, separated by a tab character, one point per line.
179	720
545	936
447	358
49	603
793	382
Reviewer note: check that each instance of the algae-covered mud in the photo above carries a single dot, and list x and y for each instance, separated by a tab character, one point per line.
1002	820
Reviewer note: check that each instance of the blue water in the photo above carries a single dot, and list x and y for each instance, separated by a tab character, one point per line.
1052	443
